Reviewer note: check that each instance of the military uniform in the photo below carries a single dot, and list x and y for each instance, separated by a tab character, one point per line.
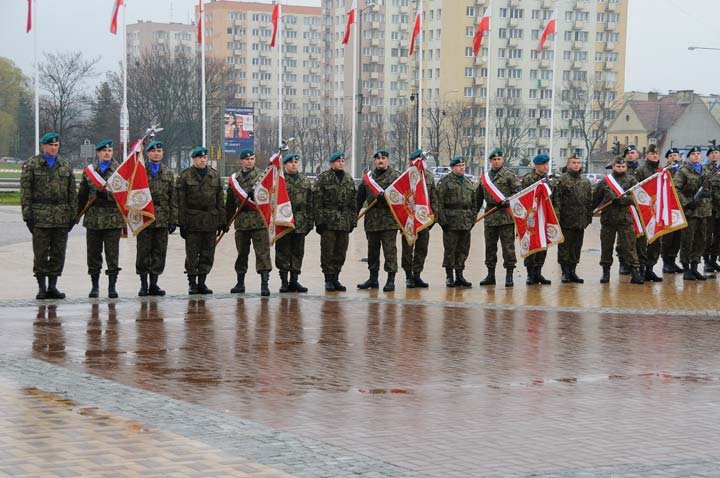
413	256
670	243
697	211
534	262
712	242
648	254
573	202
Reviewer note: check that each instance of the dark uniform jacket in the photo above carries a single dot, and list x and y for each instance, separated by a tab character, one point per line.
688	182
456	207
248	219
162	188
714	172
617	213
104	213
508	183
379	217
300	190
647	169
573	201
200	200
48	196
335	202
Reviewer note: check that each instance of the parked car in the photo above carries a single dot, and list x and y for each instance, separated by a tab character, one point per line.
594	178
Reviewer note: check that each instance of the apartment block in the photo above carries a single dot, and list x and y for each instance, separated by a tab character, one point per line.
161	38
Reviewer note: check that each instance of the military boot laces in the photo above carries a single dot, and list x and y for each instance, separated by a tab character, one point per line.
143	292
239	287
264	283
295	285
371	283
284	284
154	289
95	288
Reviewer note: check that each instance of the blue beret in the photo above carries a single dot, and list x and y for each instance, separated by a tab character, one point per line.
694	149
672	151
335	156
290	157
153	145
49	138
457	160
199	151
495	153
246	153
418	153
541	159
630	147
381	152
106	143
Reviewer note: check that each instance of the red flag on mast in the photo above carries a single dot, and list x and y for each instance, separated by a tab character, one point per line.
550	28
275	18
416	30
483	26
200	22
28	26
114	20
350	21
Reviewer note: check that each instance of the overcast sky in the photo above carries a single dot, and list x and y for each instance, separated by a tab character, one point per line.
659	33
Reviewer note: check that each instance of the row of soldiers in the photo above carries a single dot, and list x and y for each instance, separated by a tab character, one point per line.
195	203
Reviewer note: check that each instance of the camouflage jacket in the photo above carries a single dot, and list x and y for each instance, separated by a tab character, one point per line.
248	218
646	169
48	196
299	189
104	212
688	182
714	172
200	200
379	217
162	188
616	214
432	194
457	206
573	201
508	183
335	202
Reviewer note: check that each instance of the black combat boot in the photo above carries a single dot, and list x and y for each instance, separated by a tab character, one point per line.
371	283
714	263
449	277
489	278
668	265
192	285
460	279
284	284
329	283
419	282
509	277
202	288
539	277
650	275
709	267
565	278
52	290
112	281
338	286
605	278
143	292
390	284
637	276
531	279
574	277
688	273
95	289
240	285
154	289
296	286
42	288
678	269
694	269
409	280
264	283
624	270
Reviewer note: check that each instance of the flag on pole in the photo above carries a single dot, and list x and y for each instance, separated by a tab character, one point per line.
487	183
200	22
659	206
94	176
535	219
273	201
409	201
375	188
350	20
550	28
619	191
114	20
240	193
131	190
28	25
416	30
275	18
483	26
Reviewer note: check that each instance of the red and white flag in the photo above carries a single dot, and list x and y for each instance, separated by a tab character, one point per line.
659	206
550	28
416	30
535	219
94	176
114	20
483	26
275	18
375	188
131	189
619	191
201	11
28	25
273	201
240	193
409	201
350	20
487	183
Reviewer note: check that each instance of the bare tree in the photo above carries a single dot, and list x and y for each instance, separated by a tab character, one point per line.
401	136
434	121
512	125
460	131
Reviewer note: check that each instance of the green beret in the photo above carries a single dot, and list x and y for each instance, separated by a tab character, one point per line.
418	153
106	143
672	151
496	153
49	138
199	151
153	145
290	157
381	152
541	159
694	149
651	149
712	149
335	156
619	160
457	160
246	153
630	147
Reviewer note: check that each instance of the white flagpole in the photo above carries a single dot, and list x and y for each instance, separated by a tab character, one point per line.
280	73
202	72
487	86
420	76
353	114
556	41
124	115
34	27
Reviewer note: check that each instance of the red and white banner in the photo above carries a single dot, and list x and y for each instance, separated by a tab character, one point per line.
487	183
94	176
619	191
240	193
416	30
373	185
201	11
273	201
659	206
28	24
131	189
535	219
114	19
550	28
483	26
275	18
409	201
350	20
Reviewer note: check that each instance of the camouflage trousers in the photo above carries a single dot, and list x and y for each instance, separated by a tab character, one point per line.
569	250
152	244
49	245
456	248
626	244
333	249
413	257
671	244
387	241
648	254
289	252
261	245
535	260
199	252
98	240
692	239
506	235
712	242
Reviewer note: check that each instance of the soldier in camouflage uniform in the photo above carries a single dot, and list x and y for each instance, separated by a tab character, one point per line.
694	190
648	254
290	249
457	208
534	262
380	225
152	242
670	243
201	216
499	225
413	256
616	220
49	201
631	156
249	227
103	221
573	202
335	203
712	243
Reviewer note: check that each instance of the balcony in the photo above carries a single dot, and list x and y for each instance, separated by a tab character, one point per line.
479	100
610	46
376	42
480	60
578	25
479	80
514	22
609	65
544	64
512	82
374	75
580	5
577	45
611	26
611	7
513	42
513	3
548	3
512	62
578	65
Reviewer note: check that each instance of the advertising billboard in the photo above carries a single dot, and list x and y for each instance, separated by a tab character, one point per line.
239	129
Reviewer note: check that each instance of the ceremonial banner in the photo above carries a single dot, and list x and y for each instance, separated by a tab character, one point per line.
114	19
275	17
409	201
94	176
349	22
550	28
535	219
483	26
619	191
416	30
273	202
658	206
375	188
240	193
131	190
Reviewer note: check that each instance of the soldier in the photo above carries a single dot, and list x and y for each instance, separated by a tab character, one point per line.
671	242
616	220
694	190
631	156
712	243
201	216
290	249
457	208
535	262
152	241
49	200
648	255
380	225
103	221
573	202
499	226
249	227
413	256
335	203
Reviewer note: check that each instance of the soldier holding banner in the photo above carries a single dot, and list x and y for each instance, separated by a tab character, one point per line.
648	254
670	245
712	243
535	262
